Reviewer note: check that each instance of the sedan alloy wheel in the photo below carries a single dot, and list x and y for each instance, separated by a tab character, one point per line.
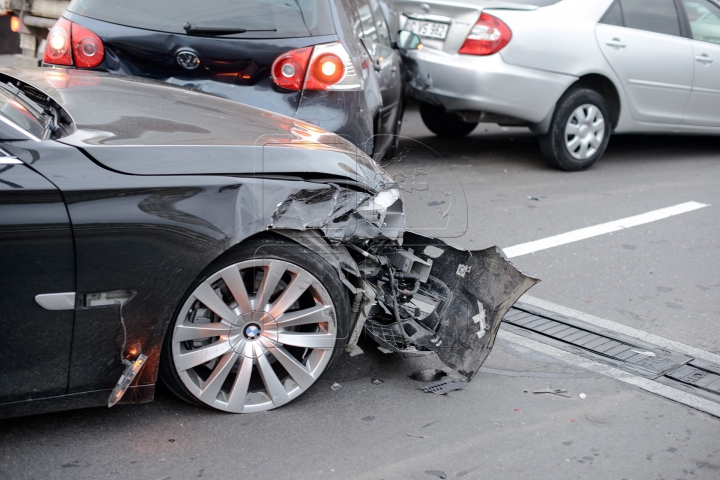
254	335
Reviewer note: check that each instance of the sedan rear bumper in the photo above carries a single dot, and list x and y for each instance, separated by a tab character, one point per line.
487	84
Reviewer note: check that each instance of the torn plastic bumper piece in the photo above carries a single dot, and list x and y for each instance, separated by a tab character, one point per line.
412	293
456	312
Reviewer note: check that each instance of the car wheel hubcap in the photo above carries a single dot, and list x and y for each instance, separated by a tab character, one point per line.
254	336
584	131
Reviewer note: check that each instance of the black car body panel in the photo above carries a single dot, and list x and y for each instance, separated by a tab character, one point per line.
147	234
237	67
186	132
105	210
36	256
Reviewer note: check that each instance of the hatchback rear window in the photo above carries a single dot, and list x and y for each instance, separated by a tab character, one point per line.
279	18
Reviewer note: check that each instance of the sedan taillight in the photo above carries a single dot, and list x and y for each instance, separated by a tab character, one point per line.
488	36
322	67
71	44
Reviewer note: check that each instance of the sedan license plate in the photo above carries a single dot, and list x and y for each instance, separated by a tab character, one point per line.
427	29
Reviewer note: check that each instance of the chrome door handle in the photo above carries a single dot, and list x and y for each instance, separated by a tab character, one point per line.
704	59
615	42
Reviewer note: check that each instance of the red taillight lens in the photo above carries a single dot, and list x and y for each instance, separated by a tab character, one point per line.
488	36
311	68
15	24
87	47
288	70
57	48
327	69
69	41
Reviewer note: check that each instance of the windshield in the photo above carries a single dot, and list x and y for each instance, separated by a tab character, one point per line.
17	113
279	18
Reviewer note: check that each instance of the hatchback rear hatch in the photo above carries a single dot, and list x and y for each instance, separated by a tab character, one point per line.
172	41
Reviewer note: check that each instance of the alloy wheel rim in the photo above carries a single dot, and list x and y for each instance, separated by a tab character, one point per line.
584	131
254	336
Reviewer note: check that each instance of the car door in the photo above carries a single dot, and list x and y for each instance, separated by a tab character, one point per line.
704	24
386	61
642	40
37	281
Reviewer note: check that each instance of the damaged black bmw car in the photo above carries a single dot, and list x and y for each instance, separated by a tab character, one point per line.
148	231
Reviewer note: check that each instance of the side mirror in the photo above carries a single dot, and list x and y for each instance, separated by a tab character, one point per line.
408	41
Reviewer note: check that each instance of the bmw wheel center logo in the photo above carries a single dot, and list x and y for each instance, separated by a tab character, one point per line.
252	331
187	59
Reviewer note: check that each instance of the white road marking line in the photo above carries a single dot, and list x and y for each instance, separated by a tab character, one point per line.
624	329
652	386
594	231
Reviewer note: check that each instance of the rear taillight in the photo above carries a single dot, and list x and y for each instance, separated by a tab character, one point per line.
488	36
326	70
57	48
72	44
288	70
322	67
87	47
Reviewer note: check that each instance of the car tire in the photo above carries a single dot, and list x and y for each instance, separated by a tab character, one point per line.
223	351
579	131
445	124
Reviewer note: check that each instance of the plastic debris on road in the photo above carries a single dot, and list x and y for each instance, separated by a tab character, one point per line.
335	386
583	396
555	391
441	388
377	381
437	473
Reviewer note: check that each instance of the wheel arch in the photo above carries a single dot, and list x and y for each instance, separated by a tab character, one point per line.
606	88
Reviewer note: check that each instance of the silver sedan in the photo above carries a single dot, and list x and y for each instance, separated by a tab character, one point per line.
572	70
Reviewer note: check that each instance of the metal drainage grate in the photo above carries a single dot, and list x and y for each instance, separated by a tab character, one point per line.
624	352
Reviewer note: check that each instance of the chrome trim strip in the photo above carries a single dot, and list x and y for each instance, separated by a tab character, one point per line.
428	18
56	301
9	161
19	129
705	90
647	83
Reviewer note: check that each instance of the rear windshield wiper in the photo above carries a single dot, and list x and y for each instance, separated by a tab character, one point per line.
191	29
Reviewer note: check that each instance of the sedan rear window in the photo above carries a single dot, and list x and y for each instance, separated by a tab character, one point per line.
278	18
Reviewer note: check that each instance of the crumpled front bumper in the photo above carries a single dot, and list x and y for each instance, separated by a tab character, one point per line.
412	293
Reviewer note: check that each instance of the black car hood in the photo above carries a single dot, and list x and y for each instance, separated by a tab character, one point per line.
145	127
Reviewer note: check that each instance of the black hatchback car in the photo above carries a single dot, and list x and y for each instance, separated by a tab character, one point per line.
327	62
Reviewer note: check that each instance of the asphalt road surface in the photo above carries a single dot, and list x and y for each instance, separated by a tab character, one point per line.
492	188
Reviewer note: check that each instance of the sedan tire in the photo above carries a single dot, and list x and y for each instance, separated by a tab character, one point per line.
445	124
257	329
579	132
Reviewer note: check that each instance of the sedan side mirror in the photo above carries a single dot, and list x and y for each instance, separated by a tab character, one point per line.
408	41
